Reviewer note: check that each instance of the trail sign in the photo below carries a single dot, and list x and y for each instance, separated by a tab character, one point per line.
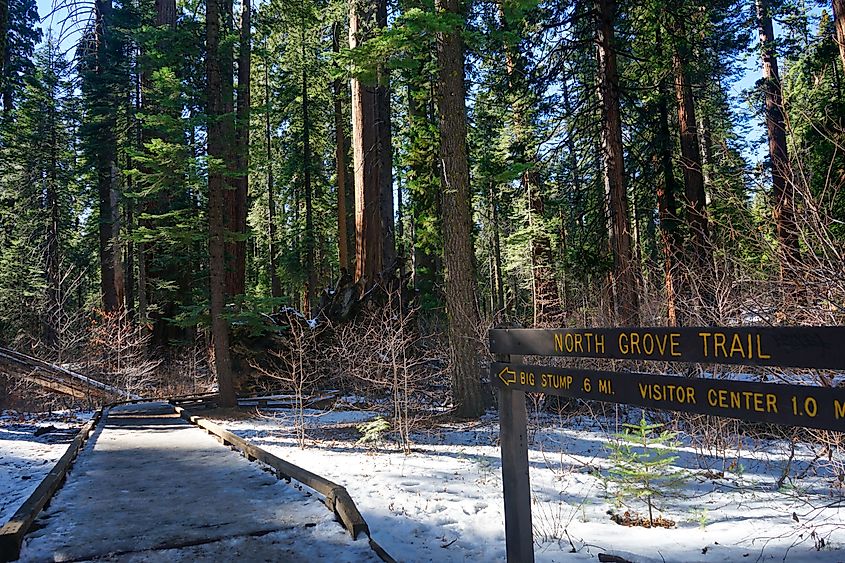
801	347
808	406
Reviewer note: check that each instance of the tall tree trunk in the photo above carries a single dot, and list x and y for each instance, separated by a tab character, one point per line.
142	246
242	118
576	183
340	161
624	278
106	155
667	207
275	286
369	237
839	24
235	251
117	246
219	137
51	328
311	274
461	305
129	265
701	263
783	194
385	153
498	289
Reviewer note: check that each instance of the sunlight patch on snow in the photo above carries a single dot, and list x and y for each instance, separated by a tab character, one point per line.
443	502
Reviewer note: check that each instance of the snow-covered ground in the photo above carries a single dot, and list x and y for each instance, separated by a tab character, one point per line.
443	502
26	458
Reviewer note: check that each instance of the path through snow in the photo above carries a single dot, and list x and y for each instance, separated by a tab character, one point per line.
151	487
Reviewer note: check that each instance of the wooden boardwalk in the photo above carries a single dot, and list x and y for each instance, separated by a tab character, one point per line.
151	487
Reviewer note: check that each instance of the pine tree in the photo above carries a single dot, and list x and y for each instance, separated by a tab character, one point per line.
461	305
642	464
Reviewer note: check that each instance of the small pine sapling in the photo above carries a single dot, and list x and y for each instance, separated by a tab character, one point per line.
373	430
642	460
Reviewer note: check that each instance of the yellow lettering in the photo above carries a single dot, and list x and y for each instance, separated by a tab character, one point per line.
674	343
635	343
568	342
661	343
600	344
758	402
719	344
771	403
704	336
526	378
644	388
711	397
736	346
648	343
578	345
623	342
558	342
838	409
760	353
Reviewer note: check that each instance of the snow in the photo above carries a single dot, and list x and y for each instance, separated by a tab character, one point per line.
443	502
25	459
172	493
151	487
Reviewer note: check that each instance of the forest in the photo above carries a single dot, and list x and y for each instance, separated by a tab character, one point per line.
297	194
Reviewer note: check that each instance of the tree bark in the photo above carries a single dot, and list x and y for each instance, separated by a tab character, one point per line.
700	262
624	277
839	24
498	289
235	249
783	196
385	153
369	237
54	305
106	155
458	253
310	290
218	137
275	285
340	161
241	179
667	207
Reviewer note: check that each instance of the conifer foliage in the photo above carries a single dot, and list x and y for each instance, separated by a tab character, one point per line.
197	168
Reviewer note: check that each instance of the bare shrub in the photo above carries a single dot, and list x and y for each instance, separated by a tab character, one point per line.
296	367
119	353
393	359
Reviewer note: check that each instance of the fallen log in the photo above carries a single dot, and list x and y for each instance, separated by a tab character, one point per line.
57	378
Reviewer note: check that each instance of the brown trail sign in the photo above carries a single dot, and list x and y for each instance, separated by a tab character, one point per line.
791	405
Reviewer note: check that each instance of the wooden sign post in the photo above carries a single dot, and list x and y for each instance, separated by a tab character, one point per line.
791	405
